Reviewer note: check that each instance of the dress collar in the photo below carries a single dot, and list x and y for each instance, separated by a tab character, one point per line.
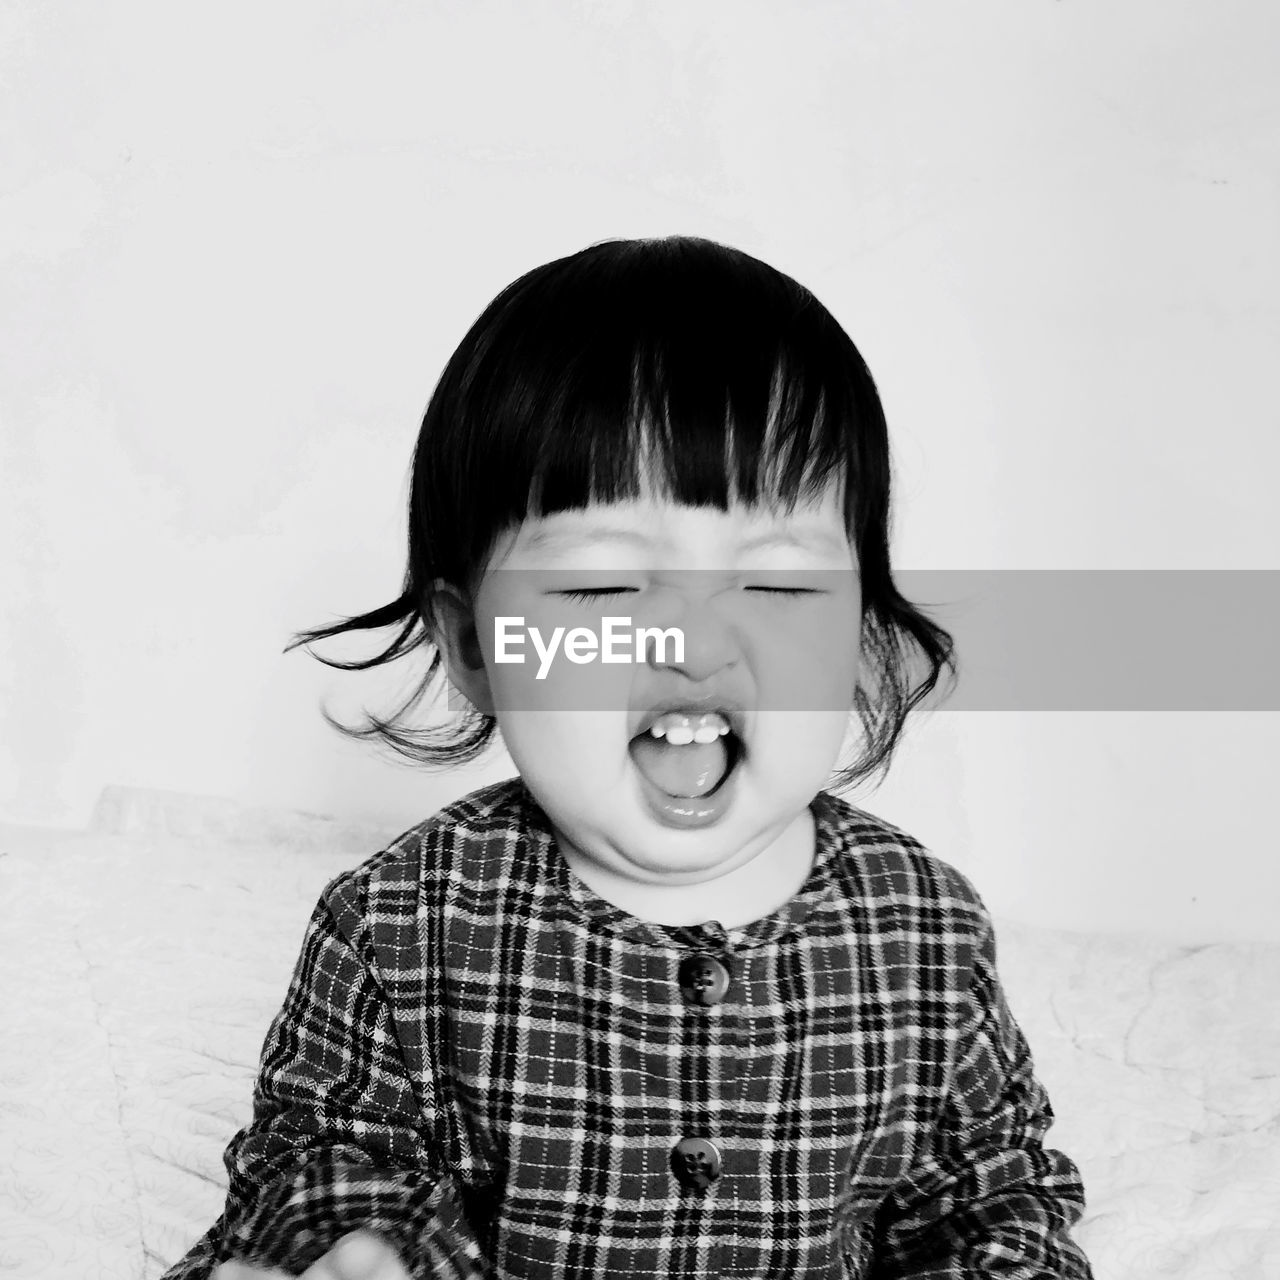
583	903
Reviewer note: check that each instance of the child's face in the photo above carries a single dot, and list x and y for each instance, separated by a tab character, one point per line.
780	667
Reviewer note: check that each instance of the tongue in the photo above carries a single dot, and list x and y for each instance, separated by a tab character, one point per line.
691	770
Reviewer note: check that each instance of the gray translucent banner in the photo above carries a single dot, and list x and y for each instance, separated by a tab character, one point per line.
1108	640
1025	640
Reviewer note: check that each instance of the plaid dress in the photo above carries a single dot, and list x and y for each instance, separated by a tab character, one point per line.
510	1077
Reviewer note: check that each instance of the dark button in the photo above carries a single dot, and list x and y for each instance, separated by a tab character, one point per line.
703	979
695	1162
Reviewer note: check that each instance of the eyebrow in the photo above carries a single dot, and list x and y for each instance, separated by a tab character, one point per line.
806	538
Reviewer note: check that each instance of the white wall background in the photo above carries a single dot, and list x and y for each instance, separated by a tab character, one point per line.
238	242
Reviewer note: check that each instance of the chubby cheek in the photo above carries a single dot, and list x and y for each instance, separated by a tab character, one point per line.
571	754
794	751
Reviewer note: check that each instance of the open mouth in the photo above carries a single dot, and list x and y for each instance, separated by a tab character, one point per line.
687	754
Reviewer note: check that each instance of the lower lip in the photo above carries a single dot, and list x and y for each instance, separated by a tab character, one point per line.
690	811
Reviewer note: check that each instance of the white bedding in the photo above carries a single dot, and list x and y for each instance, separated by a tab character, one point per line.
143	959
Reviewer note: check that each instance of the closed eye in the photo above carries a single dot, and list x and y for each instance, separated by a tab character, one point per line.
787	591
595	593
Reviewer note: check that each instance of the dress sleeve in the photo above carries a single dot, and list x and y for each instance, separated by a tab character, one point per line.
986	1198
337	1139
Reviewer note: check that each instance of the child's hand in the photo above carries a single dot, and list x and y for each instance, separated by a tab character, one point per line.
358	1256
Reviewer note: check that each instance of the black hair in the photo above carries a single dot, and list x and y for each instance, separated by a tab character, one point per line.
677	362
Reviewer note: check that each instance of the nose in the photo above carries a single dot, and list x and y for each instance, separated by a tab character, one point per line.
710	644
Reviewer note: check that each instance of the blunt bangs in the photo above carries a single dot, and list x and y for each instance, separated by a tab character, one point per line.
679	368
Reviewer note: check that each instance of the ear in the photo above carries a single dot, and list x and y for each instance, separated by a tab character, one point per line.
453	630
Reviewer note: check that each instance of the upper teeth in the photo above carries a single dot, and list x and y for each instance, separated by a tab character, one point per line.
680	729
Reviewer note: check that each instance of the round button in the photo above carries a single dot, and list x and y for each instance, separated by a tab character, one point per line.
703	979
695	1162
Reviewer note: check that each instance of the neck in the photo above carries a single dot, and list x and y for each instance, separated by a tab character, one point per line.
746	894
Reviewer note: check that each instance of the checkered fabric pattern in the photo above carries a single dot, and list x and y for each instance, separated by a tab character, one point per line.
491	1065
